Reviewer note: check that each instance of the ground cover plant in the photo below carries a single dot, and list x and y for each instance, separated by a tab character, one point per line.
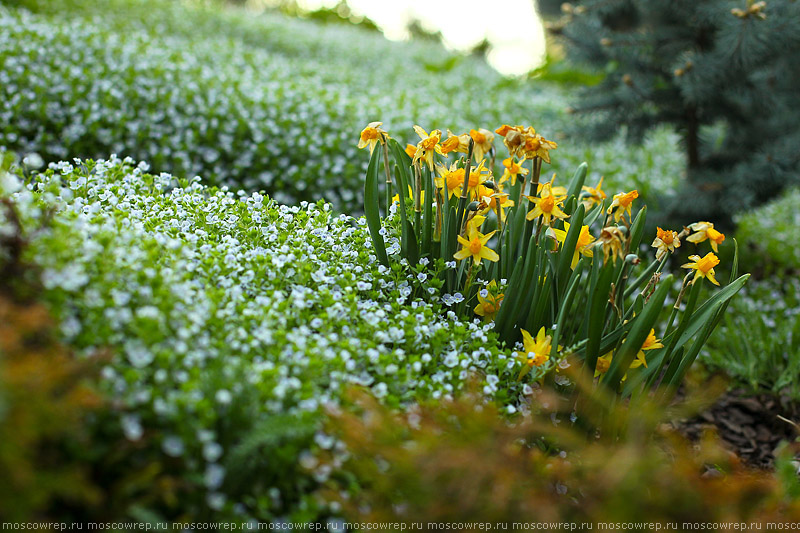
261	103
226	312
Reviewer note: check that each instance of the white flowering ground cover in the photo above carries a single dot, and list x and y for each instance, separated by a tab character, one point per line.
223	311
262	103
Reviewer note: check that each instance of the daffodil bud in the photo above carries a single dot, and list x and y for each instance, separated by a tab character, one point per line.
473	206
632	259
622	229
490	185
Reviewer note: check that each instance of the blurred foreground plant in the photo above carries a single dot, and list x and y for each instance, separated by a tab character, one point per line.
459	461
558	267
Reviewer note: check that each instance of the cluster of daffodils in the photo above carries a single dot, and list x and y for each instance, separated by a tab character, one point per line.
260	103
221	310
522	251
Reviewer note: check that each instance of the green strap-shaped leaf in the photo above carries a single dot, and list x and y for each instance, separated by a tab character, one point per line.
568	248
578	179
597	313
637	229
372	207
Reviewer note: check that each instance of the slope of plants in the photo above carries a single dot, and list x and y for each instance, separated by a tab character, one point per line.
264	103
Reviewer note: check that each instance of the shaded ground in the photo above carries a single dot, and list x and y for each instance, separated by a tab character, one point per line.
750	425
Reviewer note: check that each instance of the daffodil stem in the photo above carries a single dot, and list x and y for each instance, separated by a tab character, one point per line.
500	229
462	202
388	175
467	285
418	201
687	314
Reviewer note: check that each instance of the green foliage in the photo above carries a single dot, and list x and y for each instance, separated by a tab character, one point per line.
758	343
227	315
461	463
544	270
722	73
769	235
257	102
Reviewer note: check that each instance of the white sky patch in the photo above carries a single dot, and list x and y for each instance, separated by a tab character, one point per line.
512	27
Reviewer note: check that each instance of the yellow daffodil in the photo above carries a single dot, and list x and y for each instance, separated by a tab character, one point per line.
450	179
371	135
449	145
705	231
456	143
612	240
650	343
547	206
555	190
477	177
512	170
396	197
583	246
411	150
594	195
427	146
703	267
536	352
513	138
665	241
603	364
475	222
537	146
621	204
487	307
483	142
475	246
489	199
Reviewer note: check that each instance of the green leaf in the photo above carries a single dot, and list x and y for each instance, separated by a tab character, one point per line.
578	179
568	248
597	313
372	207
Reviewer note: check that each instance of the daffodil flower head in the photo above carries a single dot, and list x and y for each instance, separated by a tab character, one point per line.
477	177
513	138
582	247
612	240
603	364
547	206
621	204
490	199
665	242
489	305
512	170
372	135
483	140
427	146
650	343
411	150
534	145
536	352
450	179
703	267
475	246
456	143
705	231
593	195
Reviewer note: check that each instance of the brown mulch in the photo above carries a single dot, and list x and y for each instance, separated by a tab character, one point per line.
750	425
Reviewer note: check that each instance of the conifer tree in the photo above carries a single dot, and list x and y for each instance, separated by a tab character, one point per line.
724	73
